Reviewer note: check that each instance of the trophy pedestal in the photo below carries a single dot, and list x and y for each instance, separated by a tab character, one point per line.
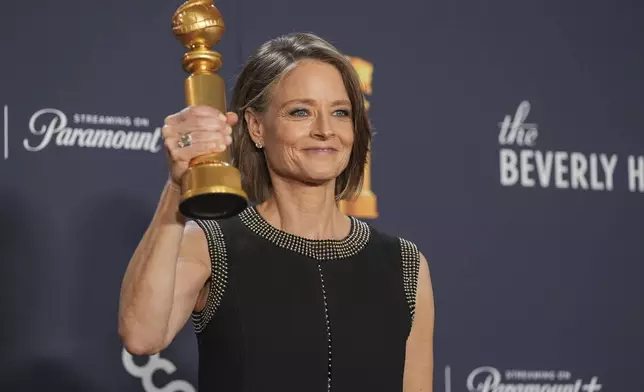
210	190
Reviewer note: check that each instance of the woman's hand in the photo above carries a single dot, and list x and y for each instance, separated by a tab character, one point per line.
195	131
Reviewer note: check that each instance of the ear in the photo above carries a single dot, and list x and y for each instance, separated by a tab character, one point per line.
255	128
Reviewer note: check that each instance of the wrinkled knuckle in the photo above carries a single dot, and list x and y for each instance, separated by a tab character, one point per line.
201	123
188	119
203	110
215	138
189	114
193	110
173	118
206	148
166	131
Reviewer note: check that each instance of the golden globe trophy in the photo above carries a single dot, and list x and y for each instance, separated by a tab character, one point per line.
211	187
365	204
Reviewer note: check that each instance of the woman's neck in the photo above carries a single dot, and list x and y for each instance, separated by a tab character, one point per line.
305	211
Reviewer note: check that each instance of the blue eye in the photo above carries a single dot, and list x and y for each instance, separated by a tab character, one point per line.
342	113
299	112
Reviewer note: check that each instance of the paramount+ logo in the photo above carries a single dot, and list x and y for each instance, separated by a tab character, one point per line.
53	127
491	379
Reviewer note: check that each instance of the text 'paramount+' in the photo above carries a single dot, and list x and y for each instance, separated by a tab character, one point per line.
490	379
528	167
90	131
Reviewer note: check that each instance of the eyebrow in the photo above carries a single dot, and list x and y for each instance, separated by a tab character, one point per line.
312	102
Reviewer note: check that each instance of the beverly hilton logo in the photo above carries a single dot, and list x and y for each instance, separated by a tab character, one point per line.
522	164
50	126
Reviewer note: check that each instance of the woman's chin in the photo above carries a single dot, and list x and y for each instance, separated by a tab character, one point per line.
319	177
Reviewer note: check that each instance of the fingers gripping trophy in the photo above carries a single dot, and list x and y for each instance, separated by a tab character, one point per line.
197	137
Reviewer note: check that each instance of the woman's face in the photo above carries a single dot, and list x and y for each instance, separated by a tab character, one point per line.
307	129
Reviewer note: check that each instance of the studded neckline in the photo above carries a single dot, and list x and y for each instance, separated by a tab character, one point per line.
319	249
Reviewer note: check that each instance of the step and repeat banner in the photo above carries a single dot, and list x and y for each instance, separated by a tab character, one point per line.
509	146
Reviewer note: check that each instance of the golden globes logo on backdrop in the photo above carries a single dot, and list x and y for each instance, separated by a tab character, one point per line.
365	204
521	164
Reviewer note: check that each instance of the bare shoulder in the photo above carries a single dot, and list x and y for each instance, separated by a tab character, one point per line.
419	361
193	264
424	295
194	248
194	245
425	290
194	238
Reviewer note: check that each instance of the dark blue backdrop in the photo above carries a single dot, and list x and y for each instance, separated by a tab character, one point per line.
504	133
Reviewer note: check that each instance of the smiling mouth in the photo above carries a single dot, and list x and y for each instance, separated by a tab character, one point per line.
320	149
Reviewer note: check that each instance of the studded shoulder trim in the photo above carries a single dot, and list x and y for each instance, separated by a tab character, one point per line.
321	250
410	257
218	275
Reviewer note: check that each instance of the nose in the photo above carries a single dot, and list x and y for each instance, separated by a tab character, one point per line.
322	128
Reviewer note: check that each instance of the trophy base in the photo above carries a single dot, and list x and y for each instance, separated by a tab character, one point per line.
363	206
212	206
212	190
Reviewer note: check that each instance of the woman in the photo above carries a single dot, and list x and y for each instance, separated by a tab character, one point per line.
291	294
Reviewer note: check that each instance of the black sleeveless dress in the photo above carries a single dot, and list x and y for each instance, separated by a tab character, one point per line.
290	314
